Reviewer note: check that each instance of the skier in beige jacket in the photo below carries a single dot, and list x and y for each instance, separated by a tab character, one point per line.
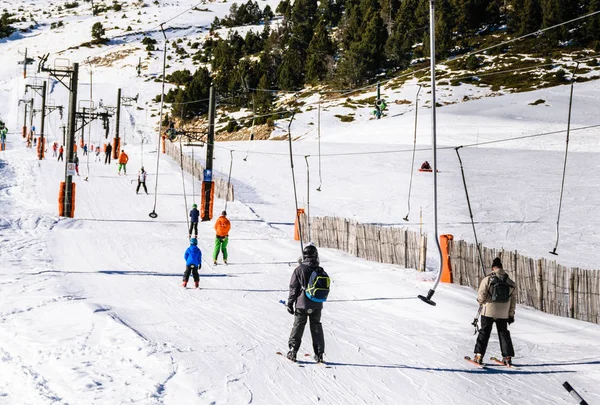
498	299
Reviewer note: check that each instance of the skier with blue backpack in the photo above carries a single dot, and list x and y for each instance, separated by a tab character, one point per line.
309	288
193	262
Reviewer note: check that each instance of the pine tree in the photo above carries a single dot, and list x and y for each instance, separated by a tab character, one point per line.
319	54
593	26
263	100
530	17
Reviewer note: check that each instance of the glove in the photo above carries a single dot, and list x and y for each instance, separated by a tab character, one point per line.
290	308
511	319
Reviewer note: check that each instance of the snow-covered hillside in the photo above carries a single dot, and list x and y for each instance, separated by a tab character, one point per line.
91	308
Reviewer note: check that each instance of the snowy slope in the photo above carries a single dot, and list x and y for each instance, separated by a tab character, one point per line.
92	311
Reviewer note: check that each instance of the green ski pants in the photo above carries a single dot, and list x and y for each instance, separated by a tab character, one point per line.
220	245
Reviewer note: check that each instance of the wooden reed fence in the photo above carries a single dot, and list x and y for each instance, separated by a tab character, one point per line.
542	284
378	243
193	167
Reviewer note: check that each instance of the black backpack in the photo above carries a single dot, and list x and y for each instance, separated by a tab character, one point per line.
317	288
499	288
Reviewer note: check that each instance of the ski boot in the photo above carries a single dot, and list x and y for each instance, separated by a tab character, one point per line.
291	355
196	284
184	284
507	361
215	262
225	261
478	358
319	358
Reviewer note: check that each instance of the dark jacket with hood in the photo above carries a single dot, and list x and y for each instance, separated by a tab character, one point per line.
299	281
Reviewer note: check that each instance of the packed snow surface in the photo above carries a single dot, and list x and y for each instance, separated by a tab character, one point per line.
92	310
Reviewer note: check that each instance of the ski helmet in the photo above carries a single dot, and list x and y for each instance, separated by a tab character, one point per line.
193	241
310	252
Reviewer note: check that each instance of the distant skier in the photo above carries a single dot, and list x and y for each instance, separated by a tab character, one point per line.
193	262
54	149
85	149
306	308
426	166
76	161
497	297
123	159
98	158
107	152
142	181
61	151
3	133
222	227
194	216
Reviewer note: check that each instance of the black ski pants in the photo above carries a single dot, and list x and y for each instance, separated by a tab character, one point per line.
107	158
193	227
140	183
316	330
191	268
485	331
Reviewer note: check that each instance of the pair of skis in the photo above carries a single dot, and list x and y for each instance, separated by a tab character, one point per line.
321	363
483	365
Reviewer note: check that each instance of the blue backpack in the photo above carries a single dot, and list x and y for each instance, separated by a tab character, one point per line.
317	288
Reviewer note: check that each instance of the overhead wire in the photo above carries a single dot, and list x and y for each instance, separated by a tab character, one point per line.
562	185
412	164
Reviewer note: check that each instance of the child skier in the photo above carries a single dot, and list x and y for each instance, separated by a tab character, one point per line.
194	216
193	262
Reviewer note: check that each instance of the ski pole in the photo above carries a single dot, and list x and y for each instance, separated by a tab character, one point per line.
574	393
476	320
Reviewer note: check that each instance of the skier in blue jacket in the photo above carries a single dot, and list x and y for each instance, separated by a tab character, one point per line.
193	262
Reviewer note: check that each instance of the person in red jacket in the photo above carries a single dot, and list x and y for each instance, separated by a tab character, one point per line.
222	227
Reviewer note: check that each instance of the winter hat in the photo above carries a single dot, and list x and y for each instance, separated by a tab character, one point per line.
497	263
193	241
194	206
224	213
310	252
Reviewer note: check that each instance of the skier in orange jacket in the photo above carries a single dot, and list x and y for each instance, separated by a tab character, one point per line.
123	159
222	227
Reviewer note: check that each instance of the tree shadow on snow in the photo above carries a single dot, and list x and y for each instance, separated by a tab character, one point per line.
487	370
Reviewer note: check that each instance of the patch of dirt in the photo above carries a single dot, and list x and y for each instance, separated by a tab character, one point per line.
259	133
108	60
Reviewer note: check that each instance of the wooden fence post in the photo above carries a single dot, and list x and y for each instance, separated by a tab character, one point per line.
423	253
540	284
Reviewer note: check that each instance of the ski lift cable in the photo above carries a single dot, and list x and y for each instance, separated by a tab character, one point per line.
562	185
294	182
153	214
193	178
412	165
229	178
462	171
381	152
89	123
183	182
319	142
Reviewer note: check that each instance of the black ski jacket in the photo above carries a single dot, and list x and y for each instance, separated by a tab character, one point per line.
299	281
